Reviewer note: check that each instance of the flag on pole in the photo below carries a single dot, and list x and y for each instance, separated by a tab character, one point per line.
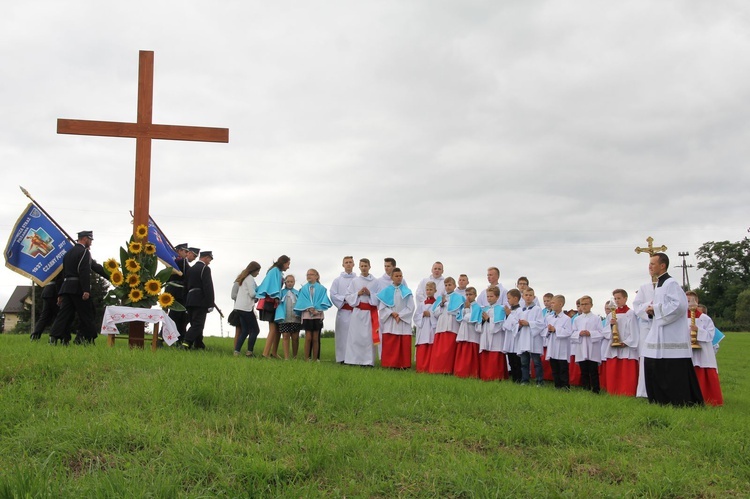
36	246
164	249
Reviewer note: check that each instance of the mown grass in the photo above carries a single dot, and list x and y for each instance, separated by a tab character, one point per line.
111	422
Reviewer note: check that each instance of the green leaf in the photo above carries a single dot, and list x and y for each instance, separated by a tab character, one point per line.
164	274
123	258
177	307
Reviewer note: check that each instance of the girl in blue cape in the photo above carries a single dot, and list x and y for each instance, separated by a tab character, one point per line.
288	321
268	295
312	301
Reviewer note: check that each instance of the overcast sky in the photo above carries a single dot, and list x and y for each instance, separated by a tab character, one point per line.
548	139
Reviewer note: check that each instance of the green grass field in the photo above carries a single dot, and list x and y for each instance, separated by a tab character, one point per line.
111	422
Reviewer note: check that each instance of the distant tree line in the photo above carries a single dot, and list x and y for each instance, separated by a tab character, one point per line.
725	285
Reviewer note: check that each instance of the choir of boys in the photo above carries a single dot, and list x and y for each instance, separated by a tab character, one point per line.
499	334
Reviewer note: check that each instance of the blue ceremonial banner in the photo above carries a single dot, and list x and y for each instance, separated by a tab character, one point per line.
164	249
36	246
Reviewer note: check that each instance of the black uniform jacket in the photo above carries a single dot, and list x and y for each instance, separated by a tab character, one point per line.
200	286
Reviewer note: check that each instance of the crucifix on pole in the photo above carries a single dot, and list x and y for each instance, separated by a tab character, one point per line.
651	250
143	131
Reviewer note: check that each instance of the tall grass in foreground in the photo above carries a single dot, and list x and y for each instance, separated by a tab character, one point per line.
111	422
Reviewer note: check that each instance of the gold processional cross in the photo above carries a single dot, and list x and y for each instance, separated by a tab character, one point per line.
651	250
143	131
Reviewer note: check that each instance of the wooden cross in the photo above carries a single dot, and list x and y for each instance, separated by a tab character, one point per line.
143	131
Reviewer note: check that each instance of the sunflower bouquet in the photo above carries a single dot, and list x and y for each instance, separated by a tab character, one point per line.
135	280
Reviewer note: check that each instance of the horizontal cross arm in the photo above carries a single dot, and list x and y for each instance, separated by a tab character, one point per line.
142	130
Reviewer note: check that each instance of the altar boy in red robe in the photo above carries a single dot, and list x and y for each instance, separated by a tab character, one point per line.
621	363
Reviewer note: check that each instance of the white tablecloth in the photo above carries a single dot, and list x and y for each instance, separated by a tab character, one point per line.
115	315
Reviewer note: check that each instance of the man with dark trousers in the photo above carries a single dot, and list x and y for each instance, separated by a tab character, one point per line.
177	287
49	307
75	293
199	301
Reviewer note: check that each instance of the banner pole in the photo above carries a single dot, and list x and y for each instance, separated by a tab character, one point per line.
47	214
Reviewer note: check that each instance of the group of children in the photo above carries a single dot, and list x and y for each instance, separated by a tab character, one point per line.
497	334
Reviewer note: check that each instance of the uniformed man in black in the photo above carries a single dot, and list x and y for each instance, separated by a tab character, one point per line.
49	307
199	301
177	287
75	293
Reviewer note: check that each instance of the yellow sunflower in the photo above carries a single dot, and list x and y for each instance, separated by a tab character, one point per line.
153	287
150	249
166	300
135	295
132	265
111	265
135	247
116	278
133	280
141	231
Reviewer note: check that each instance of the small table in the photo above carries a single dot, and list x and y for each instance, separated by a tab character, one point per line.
116	315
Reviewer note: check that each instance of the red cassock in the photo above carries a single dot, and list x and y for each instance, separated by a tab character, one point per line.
603	374
621	376
466	364
424	352
708	379
492	366
396	352
443	353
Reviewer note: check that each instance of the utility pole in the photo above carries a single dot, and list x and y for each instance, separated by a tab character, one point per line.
685	266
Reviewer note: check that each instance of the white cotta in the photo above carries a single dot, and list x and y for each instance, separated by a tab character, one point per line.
629	330
587	347
669	336
425	325
492	335
529	338
558	343
404	307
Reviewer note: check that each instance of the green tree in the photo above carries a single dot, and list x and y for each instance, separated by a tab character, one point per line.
727	274
742	312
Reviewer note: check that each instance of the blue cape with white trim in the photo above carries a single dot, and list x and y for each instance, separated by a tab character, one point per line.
387	294
455	302
319	301
271	285
281	309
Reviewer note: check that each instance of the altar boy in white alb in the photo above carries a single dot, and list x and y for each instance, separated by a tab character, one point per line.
586	342
364	324
338	292
426	322
704	358
621	362
395	311
559	329
668	369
